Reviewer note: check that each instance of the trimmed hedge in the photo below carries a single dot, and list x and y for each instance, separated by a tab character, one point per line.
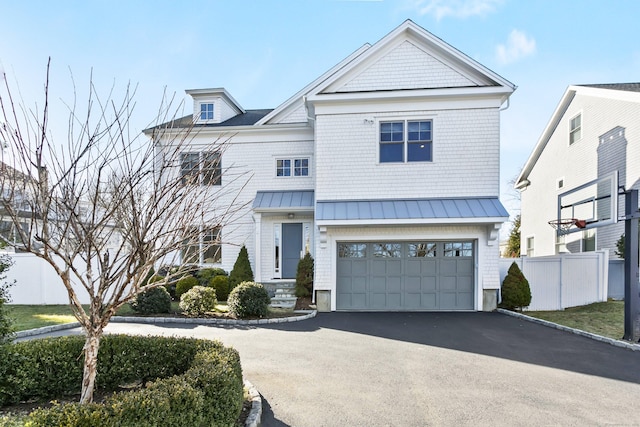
201	381
248	299
185	284
152	301
221	285
198	301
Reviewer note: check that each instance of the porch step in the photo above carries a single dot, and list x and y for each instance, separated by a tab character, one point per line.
284	295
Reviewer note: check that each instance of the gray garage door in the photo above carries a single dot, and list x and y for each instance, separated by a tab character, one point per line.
393	276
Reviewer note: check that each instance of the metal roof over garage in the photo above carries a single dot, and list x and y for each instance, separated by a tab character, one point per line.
411	209
284	200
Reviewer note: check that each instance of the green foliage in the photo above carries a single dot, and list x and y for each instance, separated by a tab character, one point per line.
6	323
513	246
516	292
248	299
154	278
152	301
184	284
242	271
221	285
205	275
304	276
200	384
620	247
198	301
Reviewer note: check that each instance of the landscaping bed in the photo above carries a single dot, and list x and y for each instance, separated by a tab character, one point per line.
141	381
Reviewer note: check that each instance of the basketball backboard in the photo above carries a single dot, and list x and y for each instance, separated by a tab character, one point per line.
593	204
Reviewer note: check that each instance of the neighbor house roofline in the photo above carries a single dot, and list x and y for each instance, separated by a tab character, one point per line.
619	91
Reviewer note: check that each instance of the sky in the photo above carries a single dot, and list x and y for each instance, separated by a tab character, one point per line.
264	51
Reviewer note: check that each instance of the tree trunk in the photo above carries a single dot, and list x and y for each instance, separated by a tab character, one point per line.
91	346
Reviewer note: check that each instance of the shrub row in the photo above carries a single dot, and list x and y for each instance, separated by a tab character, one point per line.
47	368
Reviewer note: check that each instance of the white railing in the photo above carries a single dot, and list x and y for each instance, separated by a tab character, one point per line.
566	280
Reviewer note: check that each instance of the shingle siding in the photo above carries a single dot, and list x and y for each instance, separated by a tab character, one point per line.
406	67
466	154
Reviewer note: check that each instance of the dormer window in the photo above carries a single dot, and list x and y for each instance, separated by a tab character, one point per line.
206	111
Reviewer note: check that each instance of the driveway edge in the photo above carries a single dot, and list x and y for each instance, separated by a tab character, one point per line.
611	341
255	414
46	329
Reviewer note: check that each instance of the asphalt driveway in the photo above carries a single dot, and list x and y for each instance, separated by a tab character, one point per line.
420	369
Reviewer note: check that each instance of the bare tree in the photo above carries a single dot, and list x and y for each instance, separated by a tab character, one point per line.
104	208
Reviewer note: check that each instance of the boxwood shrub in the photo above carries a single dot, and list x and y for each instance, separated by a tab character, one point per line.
248	299
198	301
184	284
221	285
152	301
199	384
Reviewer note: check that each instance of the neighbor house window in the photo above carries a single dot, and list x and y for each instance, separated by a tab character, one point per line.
575	129
407	139
588	240
206	111
530	244
202	246
292	167
200	168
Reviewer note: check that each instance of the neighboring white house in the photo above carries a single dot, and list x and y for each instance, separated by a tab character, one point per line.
594	131
386	168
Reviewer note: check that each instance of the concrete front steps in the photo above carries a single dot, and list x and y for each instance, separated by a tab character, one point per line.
284	294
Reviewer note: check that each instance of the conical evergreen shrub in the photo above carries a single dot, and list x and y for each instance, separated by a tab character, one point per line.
304	276
242	271
515	291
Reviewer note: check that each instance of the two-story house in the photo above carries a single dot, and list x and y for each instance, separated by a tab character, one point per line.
385	168
593	133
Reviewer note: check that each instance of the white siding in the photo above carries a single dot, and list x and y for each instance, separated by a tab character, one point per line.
296	114
602	119
406	67
466	153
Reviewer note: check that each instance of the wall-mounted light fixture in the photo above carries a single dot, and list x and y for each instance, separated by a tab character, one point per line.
369	121
291	215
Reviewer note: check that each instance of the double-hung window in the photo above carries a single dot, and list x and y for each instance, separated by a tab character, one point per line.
406	141
575	129
202	246
206	111
292	167
201	168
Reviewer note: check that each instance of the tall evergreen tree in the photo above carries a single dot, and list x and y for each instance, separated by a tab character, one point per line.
513	247
242	271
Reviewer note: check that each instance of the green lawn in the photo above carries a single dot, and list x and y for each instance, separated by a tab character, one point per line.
601	318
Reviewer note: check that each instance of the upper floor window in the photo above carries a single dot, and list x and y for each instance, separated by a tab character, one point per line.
201	168
575	129
292	167
407	139
206	111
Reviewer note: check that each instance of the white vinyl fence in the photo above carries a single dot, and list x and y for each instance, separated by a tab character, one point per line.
37	282
566	280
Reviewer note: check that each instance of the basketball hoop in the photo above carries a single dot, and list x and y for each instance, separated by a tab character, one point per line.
564	224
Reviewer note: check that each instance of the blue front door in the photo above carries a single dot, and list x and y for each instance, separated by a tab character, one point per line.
291	248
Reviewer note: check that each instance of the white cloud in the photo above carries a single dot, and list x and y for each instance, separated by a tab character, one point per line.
456	8
517	47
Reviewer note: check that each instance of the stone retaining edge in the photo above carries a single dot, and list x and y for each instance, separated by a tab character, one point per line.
611	341
255	414
151	320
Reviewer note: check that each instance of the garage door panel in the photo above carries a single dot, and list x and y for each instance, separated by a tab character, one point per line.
406	276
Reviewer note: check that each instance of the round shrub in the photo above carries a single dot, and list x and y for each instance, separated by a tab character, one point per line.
198	300
248	299
515	292
152	301
221	285
184	284
205	275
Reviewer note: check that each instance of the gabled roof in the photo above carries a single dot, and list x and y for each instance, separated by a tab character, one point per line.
619	91
248	118
477	74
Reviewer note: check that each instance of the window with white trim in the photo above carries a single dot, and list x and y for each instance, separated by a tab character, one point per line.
575	129
588	240
530	245
201	168
292	167
206	111
202	246
406	141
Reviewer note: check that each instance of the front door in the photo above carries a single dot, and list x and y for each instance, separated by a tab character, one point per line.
291	249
